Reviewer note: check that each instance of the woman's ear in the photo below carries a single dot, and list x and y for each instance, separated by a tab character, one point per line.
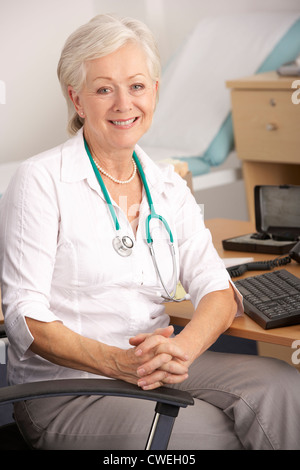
74	97
156	93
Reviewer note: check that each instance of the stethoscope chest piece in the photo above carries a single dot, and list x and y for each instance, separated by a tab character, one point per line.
123	245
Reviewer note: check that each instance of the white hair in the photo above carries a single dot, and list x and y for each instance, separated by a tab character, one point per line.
101	36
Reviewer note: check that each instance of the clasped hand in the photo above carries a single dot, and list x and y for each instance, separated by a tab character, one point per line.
160	359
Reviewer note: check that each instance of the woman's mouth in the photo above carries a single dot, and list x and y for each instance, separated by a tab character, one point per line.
124	123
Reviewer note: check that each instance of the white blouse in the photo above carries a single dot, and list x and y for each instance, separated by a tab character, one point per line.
57	261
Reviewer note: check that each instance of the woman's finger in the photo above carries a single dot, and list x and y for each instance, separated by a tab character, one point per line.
155	346
164	362
158	380
175	367
165	332
153	380
160	344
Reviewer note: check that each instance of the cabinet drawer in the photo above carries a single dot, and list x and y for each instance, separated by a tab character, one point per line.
266	125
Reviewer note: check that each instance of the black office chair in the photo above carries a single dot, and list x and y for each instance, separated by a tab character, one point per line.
168	402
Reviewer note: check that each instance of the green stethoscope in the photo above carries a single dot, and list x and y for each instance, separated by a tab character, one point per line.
123	245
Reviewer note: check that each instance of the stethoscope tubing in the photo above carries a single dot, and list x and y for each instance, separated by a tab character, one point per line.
153	215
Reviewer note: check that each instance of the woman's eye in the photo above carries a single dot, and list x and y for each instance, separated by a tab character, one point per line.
138	87
103	91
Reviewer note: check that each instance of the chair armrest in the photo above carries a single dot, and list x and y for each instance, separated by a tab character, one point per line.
69	387
168	401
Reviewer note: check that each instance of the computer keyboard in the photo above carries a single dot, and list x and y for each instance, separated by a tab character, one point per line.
271	299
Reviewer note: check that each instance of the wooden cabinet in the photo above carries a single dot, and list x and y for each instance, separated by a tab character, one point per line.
266	126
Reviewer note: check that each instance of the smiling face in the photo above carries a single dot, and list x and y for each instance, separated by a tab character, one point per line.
117	100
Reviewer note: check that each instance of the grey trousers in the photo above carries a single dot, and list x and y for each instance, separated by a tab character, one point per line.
241	402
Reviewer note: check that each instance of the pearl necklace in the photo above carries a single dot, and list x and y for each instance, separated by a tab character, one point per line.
115	180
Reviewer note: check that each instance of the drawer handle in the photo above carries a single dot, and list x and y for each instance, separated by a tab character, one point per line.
271	127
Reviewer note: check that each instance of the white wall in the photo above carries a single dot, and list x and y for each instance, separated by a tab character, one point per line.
32	33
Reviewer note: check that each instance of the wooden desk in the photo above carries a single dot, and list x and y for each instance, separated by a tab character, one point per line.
243	327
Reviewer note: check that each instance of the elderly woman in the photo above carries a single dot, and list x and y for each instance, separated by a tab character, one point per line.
82	296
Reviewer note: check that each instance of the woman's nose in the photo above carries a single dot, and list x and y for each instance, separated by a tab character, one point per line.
123	101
